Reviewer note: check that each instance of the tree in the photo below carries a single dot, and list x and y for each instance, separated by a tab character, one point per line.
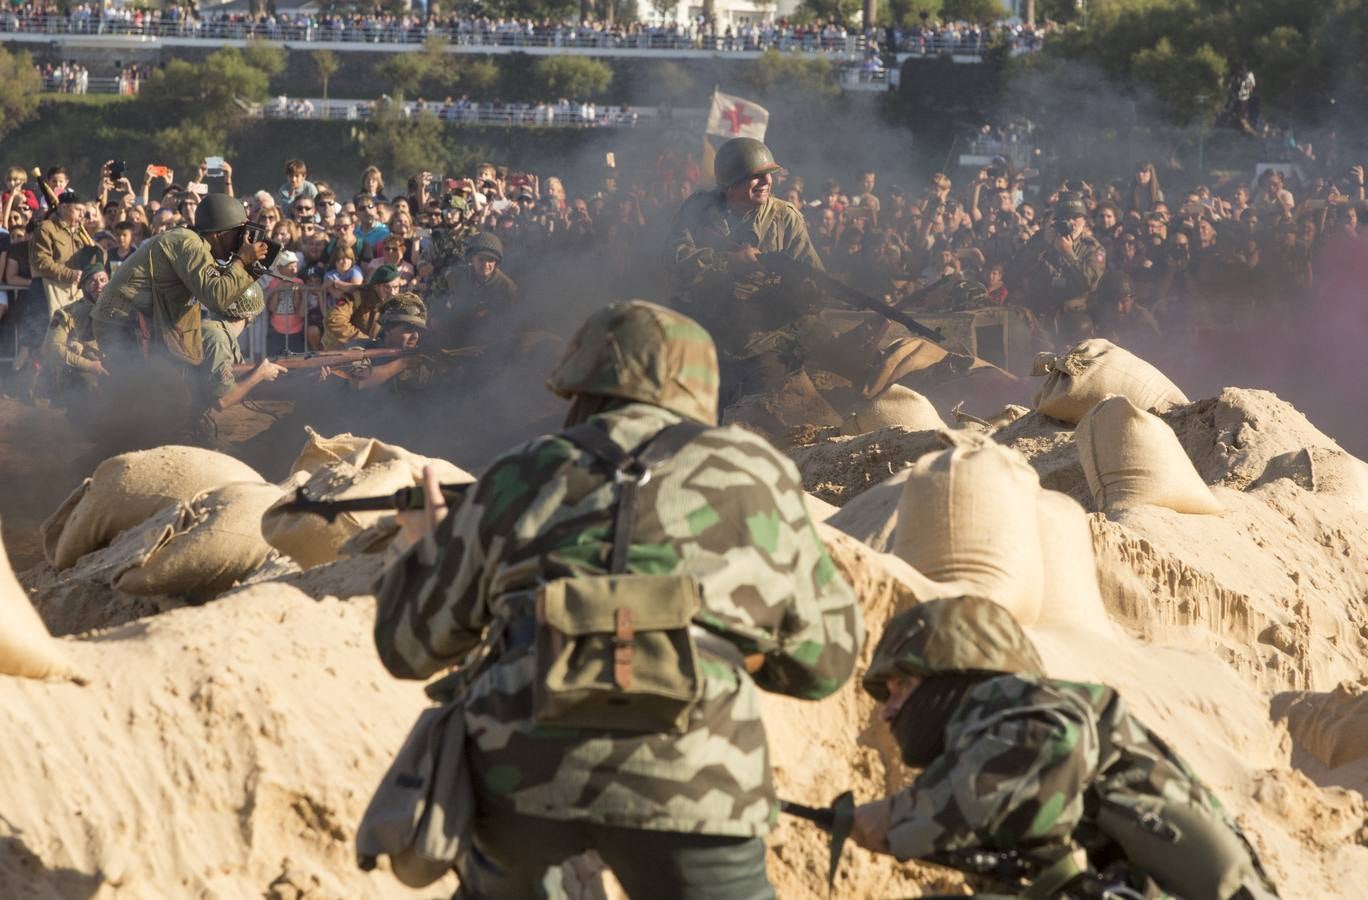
1188	84
404	72
572	77
674	82
20	86
787	76
208	92
264	55
326	64
665	9
980	12
842	11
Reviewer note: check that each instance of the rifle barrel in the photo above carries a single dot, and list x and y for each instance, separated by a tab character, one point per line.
404	499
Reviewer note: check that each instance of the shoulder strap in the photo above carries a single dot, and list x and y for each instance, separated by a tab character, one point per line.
630	471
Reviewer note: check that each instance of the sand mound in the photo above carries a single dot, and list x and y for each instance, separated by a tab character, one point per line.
1333	726
247	733
839	468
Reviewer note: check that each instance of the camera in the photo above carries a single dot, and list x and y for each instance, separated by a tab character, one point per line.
255	232
1062	227
117	168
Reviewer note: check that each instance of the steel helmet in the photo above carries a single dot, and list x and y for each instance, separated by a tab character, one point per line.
1070	206
640	351
485	242
219	212
951	636
404	309
247	306
739	159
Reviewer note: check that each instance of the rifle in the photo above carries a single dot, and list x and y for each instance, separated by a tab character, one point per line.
319	359
785	267
837	820
403	500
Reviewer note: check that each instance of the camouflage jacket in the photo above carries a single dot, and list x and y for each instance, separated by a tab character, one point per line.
726	509
1027	760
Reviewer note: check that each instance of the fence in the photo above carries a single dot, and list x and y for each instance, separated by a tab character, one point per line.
519	114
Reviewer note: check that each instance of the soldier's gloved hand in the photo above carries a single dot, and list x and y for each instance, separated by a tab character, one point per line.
872	821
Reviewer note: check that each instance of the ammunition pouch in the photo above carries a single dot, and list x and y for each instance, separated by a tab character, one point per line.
617	651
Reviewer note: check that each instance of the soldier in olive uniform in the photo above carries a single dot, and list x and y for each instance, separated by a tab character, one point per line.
1058	772
225	378
712	258
354	318
71	357
676	812
1069	262
480	301
158	290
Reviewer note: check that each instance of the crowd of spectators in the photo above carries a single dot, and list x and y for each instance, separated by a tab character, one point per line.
1184	250
385	28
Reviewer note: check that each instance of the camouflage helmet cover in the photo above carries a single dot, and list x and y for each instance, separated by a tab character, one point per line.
741	158
219	212
405	309
485	242
640	351
950	636
247	306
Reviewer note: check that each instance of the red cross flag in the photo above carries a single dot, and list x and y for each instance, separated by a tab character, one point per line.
731	117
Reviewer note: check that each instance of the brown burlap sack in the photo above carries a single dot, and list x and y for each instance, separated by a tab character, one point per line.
895	406
209	545
320	452
1332	726
1092	371
968	514
311	540
26	648
124	490
1131	458
1071	597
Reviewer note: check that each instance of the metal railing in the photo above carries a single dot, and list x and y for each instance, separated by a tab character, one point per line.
58	83
465	34
519	114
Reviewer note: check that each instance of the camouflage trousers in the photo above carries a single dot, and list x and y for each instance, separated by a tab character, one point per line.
516	856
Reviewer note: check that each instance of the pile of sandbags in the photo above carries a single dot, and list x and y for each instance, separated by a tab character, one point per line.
1094	370
26	648
126	490
895	406
201	548
968	514
340	468
1132	458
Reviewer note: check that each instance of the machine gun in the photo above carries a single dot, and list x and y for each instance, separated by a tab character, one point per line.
785	267
403	500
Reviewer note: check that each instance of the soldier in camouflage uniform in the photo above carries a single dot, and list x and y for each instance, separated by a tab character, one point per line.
1069	262
673	814
1014	761
448	243
712	260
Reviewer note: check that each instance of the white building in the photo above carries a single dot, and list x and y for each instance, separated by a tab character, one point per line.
729	12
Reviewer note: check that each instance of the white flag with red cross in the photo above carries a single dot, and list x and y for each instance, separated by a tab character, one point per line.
731	117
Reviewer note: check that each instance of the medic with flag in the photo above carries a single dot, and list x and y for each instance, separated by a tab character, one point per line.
713	256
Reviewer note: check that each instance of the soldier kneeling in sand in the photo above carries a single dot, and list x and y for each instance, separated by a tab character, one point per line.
1051	785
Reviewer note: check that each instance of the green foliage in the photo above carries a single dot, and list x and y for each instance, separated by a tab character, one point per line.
19	88
841	11
665	9
908	12
399	144
675	84
326	64
266	56
208	92
792	77
404	72
983	12
1187	84
576	78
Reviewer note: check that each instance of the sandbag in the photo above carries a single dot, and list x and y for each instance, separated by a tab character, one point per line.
1093	370
311	540
320	452
1322	470
1132	458
26	648
1071	595
895	406
1332	726
209	545
968	514
124	490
